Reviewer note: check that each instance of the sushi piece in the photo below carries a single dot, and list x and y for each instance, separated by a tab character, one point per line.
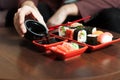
98	32
105	37
70	46
69	33
80	35
62	30
76	24
90	30
66	47
92	39
75	45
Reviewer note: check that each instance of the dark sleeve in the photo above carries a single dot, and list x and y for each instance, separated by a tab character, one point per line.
92	7
21	1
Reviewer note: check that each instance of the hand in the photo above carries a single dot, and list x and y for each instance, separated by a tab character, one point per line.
20	15
62	13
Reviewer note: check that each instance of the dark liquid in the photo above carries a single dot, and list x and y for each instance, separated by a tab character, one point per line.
47	38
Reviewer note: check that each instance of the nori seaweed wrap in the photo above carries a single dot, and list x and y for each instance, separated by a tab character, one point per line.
92	39
80	35
90	30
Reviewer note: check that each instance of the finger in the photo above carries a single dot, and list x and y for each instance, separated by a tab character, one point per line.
21	15
16	23
18	26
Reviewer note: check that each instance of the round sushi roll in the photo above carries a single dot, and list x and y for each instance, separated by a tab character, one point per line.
62	30
105	37
92	39
76	24
90	30
80	35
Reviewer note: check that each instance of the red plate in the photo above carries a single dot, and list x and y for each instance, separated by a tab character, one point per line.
90	47
99	46
68	55
43	45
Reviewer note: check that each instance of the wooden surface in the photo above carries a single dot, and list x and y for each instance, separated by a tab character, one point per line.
20	60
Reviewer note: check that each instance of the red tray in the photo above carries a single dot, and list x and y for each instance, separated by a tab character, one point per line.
90	47
43	47
99	46
65	56
68	55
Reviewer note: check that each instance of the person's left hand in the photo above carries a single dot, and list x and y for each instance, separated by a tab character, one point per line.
62	13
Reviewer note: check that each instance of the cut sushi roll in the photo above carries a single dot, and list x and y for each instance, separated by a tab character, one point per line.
80	35
90	30
105	37
62	30
69	33
76	24
92	39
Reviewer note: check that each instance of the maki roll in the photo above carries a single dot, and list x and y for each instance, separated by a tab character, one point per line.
80	35
76	24
62	30
90	30
92	39
69	33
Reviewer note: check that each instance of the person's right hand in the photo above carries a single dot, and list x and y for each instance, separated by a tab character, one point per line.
20	15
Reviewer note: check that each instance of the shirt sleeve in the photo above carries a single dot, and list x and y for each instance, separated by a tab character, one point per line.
92	7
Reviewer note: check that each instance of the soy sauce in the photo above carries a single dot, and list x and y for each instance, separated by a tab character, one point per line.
49	40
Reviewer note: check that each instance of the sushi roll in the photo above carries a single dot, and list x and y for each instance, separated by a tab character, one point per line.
80	35
105	37
62	30
69	33
76	24
92	39
90	30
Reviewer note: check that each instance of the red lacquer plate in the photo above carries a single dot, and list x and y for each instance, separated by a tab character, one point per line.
68	55
43	45
90	47
47	47
99	46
